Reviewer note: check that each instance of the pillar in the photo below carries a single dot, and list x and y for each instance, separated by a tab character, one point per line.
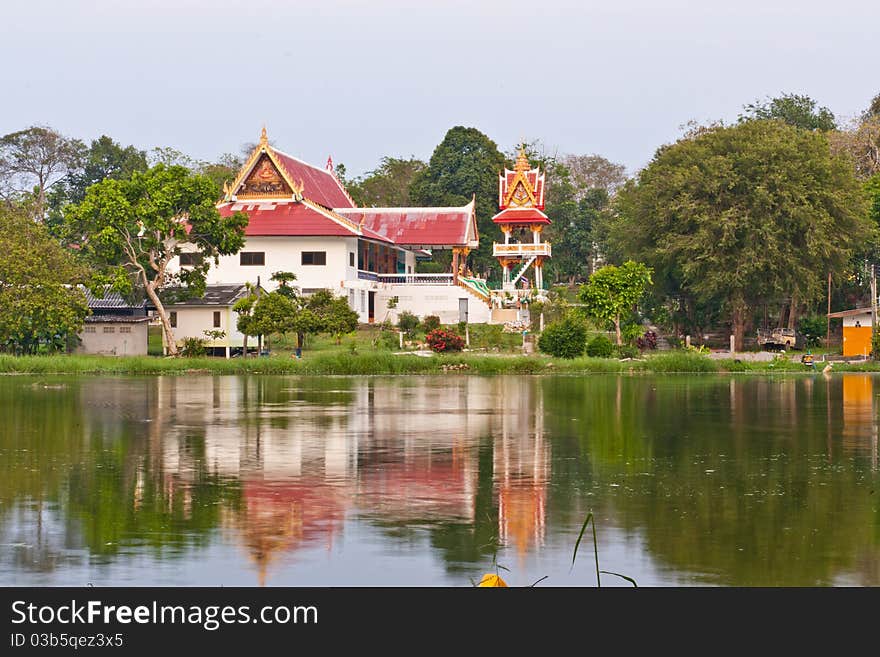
227	353
455	266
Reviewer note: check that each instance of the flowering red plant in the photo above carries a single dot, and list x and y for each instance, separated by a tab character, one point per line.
441	340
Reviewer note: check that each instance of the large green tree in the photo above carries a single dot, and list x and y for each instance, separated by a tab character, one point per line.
741	214
466	163
612	292
388	185
794	109
40	305
130	230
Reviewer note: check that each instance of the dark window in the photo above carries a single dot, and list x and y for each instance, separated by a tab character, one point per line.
351	258
190	259
314	257
172	318
109	329
252	258
216	319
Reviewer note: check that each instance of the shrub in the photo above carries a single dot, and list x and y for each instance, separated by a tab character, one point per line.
193	348
441	340
600	347
566	338
407	322
389	340
813	329
647	341
431	322
628	351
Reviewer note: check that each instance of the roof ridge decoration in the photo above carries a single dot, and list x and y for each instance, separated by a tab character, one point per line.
335	216
518	191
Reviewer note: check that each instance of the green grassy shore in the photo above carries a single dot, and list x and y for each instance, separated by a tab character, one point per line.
379	363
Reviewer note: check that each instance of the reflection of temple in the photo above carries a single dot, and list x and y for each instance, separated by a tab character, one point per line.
521	468
396	452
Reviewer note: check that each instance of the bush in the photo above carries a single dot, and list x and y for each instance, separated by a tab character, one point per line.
600	347
389	340
566	338
628	351
441	341
647	341
193	348
431	322
407	322
813	329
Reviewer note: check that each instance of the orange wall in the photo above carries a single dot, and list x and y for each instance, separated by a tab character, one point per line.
856	340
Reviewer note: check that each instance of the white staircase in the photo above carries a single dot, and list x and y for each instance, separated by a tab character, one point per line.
522	270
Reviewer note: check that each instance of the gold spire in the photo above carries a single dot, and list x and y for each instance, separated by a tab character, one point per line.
522	162
264	138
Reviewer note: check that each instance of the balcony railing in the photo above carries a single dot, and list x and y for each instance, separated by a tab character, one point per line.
415	279
541	249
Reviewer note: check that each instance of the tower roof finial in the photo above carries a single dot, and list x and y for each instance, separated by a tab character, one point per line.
522	162
264	138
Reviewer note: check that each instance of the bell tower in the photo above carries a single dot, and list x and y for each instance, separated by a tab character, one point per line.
522	220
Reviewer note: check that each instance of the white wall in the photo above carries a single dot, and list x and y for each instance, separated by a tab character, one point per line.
285	254
864	320
193	321
123	338
423	300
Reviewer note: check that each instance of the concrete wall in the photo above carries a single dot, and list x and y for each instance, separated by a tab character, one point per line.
423	300
862	320
114	338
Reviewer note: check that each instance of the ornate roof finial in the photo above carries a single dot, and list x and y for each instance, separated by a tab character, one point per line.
264	138
330	163
522	162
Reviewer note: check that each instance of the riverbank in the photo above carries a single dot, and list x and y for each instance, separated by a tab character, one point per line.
379	363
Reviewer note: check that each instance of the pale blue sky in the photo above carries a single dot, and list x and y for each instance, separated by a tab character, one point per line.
360	80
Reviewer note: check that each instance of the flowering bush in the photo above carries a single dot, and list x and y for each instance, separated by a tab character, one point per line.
441	340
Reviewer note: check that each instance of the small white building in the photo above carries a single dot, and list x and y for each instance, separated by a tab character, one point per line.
115	327
191	318
302	220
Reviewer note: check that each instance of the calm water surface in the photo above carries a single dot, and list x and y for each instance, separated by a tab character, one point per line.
222	480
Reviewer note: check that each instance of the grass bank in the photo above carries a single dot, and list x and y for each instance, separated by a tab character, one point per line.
378	362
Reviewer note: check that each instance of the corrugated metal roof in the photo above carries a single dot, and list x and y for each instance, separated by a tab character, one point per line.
416	227
215	295
319	185
110	300
117	319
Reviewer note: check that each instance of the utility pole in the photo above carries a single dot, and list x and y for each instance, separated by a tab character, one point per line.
827	316
873	304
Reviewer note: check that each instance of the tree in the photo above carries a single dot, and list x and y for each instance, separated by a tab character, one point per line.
591	172
40	304
795	110
738	215
131	229
104	159
35	159
613	291
464	164
388	185
334	315
244	308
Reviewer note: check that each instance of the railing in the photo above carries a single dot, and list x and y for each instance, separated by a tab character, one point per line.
542	249
415	279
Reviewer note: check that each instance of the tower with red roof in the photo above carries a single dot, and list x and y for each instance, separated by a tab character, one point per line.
522	220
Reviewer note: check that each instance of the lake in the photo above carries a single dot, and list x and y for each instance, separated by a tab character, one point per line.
433	481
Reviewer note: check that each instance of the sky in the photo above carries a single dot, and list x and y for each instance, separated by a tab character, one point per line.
362	80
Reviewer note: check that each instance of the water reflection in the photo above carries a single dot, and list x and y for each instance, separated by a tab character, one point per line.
339	480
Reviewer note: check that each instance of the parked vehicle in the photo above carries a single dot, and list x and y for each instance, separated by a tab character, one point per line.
780	338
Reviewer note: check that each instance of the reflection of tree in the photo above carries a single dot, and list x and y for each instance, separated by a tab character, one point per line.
730	479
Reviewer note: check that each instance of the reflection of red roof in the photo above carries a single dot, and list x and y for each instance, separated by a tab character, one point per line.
521	216
424	489
419	227
320	185
288	218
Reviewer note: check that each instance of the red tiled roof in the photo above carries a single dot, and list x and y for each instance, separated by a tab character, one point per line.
521	216
418	227
320	185
287	218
